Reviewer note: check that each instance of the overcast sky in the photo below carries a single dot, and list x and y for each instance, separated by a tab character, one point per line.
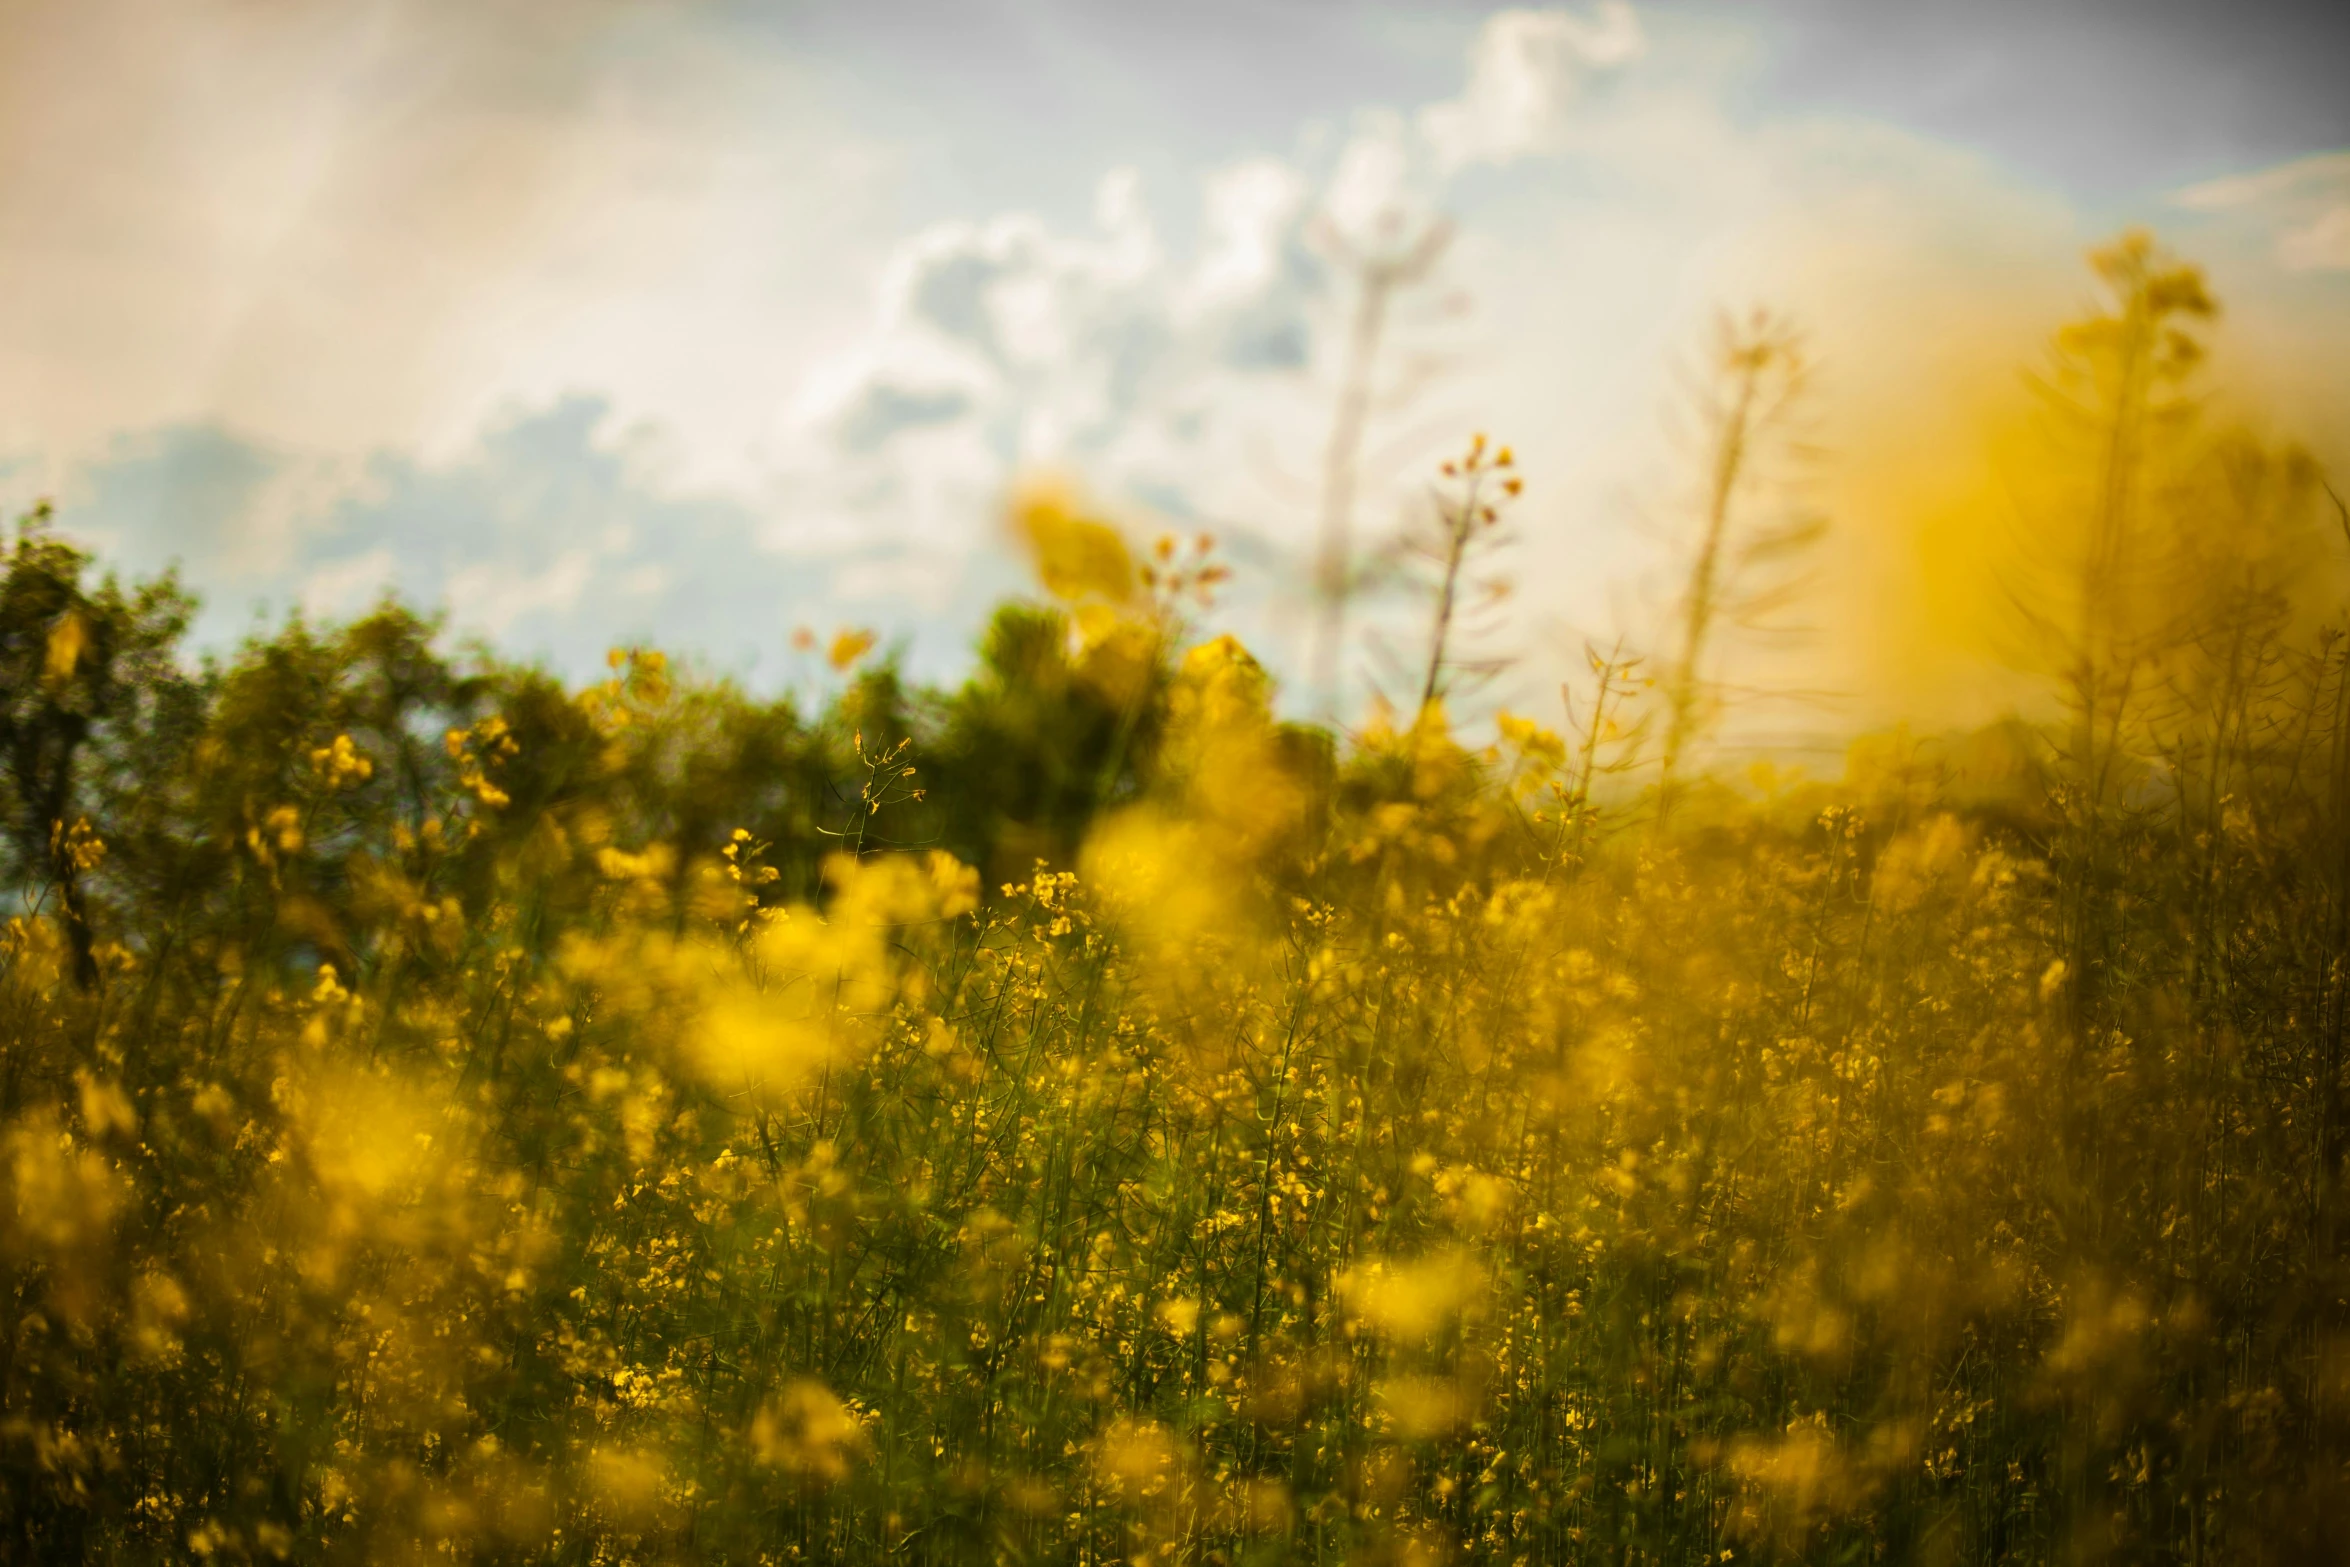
596	320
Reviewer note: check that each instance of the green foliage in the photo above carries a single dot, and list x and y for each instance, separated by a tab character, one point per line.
85	682
1030	750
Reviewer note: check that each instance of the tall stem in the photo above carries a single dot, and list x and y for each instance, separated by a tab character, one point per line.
1380	276
1332	566
1705	575
1459	526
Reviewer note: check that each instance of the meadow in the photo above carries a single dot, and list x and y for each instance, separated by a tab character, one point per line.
1078	1116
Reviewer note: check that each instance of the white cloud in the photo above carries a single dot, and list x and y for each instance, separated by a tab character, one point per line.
2304	206
345	587
1015	342
341	226
1011	341
1526	71
2326	171
492	596
1382	177
1526	83
1250	210
2320	245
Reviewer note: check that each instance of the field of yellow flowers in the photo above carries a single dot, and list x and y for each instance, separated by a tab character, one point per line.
1081	1118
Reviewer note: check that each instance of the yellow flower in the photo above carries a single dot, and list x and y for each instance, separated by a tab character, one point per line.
1078	557
847	647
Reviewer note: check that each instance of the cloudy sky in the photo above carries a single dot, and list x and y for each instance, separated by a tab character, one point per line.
597	320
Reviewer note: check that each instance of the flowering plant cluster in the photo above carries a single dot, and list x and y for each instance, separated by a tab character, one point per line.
1080	1117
